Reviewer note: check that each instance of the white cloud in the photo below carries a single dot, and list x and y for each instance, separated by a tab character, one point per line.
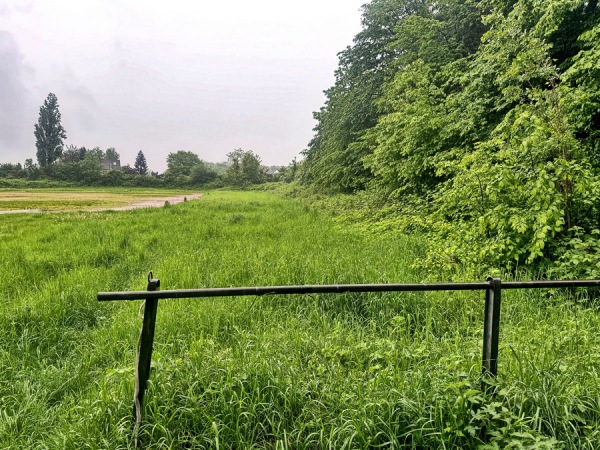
15	99
202	76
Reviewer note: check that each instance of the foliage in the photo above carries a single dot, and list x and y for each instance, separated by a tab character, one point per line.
218	168
184	167
244	168
387	370
201	174
86	167
181	163
485	134
48	132
73	154
128	170
111	154
395	34
289	173
329	161
140	165
12	170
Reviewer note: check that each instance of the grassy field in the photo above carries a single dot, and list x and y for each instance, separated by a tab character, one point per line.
301	372
76	198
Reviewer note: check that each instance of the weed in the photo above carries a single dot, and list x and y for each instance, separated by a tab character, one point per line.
392	370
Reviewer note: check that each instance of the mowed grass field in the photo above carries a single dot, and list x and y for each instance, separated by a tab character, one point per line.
300	372
76	199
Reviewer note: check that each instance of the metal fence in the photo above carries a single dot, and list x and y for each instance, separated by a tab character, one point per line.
493	288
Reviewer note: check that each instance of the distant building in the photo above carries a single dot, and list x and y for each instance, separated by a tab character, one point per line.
107	165
270	171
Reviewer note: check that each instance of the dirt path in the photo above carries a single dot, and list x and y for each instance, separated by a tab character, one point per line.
153	202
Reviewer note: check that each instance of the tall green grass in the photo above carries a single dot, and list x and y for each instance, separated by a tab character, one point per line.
304	372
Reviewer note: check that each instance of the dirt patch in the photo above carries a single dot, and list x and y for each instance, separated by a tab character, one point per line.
153	202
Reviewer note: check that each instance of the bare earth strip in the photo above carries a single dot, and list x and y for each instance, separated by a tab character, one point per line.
153	202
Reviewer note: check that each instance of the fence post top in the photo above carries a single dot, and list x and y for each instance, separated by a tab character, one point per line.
153	283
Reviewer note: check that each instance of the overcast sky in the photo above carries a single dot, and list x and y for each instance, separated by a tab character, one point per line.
204	76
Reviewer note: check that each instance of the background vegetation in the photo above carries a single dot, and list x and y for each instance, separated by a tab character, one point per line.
96	167
461	136
476	122
354	371
79	166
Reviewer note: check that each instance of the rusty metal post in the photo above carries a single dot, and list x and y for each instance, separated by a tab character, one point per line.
491	330
144	354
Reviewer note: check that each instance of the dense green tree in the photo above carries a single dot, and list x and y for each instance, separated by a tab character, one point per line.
111	155
90	168
29	165
218	168
140	165
95	153
288	173
128	170
408	141
181	163
234	169
78	165
583	76
185	167
349	110
477	121
73	154
243	168
9	170
201	174
251	167
395	34
49	133
70	154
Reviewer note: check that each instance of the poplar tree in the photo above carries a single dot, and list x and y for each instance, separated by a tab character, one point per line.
49	133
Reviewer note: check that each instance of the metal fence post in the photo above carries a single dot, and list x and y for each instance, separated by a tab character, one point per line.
492	287
144	355
491	329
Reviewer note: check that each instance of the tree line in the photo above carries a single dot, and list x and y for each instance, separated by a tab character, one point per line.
476	123
102	167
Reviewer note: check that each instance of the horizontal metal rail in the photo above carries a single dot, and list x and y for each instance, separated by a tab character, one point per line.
493	288
337	289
